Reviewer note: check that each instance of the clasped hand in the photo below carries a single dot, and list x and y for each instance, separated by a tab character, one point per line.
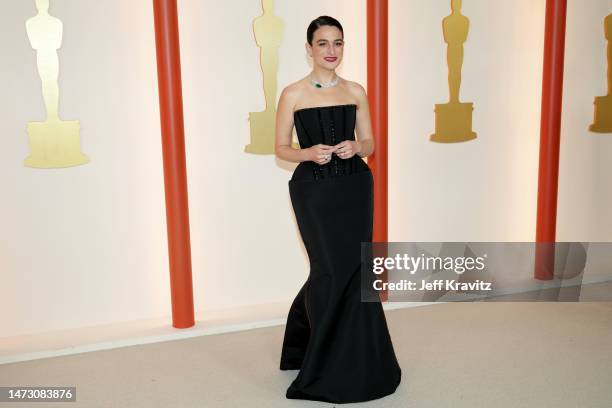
322	153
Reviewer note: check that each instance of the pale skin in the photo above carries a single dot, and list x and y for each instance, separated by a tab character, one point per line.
327	43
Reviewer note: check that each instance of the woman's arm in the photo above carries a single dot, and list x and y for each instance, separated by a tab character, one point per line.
319	153
284	128
364	145
363	125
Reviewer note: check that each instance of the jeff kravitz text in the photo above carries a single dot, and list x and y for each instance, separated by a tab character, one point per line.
411	264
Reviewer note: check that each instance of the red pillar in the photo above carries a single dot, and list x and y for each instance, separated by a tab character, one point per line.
550	134
173	149
378	100
377	22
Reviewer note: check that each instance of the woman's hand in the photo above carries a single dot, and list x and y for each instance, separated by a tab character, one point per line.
320	153
347	149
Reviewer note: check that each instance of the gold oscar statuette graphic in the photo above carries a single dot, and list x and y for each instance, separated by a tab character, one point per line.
268	30
602	122
54	143
454	119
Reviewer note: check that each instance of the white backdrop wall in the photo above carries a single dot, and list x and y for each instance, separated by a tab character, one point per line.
486	190
480	190
87	245
585	173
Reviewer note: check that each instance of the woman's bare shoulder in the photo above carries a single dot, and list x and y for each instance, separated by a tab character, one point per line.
295	87
356	90
292	93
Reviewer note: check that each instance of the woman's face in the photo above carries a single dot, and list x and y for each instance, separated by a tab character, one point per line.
327	47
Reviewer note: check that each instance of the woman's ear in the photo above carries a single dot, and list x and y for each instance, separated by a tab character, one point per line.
308	49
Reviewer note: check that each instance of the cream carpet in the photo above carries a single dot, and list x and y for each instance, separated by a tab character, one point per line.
452	355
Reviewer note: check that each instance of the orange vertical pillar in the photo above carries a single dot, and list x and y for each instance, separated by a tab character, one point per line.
173	149
377	29
550	135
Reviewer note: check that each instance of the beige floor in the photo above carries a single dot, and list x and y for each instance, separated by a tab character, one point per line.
452	355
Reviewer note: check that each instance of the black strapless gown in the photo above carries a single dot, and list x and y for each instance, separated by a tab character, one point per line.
340	344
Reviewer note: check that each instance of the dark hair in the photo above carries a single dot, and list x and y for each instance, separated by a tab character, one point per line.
319	22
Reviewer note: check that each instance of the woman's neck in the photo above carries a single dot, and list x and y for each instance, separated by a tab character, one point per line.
324	76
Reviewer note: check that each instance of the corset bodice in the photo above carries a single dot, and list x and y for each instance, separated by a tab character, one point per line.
327	125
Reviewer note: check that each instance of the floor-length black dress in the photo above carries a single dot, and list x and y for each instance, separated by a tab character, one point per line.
340	344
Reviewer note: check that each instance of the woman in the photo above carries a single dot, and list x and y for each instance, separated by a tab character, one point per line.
340	344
